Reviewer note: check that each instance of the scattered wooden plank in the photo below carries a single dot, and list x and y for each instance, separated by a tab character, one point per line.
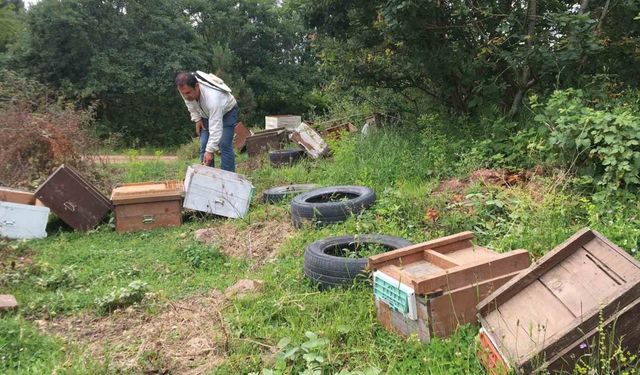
7	303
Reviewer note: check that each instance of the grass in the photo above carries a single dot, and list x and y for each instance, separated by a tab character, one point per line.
66	274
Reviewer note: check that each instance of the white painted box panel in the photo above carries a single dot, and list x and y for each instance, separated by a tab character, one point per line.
23	221
288	122
310	140
217	191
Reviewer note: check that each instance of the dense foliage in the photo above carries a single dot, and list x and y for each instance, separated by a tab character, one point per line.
482	68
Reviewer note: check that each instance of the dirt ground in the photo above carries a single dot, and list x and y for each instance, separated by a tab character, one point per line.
186	337
258	241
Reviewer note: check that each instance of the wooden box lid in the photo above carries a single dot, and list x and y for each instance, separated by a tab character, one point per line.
144	192
558	299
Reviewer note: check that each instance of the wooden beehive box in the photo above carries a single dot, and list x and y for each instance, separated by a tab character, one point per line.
335	132
547	316
430	288
262	142
288	122
73	199
147	205
23	221
241	133
216	191
310	141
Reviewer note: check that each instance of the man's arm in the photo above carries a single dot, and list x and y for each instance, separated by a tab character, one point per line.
215	128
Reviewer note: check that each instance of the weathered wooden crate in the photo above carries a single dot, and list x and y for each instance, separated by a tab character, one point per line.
434	286
310	141
547	317
289	122
262	142
334	132
147	205
73	199
241	133
217	191
23	221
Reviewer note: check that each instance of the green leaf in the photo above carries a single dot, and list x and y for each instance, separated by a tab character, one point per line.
283	343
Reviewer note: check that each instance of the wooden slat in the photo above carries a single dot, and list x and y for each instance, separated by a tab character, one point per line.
418	269
616	248
625	268
621	326
472	273
440	260
142	192
379	260
472	254
550	260
579	283
16	196
574	331
459	306
396	273
533	323
495	326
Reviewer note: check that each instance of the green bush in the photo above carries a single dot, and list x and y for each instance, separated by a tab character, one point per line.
123	297
603	142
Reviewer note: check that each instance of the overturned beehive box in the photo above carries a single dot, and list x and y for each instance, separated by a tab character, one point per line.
217	191
264	141
428	289
21	215
546	318
289	122
73	199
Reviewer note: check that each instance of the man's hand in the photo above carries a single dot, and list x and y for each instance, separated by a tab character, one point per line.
199	127
208	158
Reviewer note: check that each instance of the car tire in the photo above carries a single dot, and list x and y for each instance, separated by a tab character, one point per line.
326	269
278	193
331	204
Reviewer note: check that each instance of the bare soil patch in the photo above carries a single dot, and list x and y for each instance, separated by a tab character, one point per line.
258	241
186	337
498	177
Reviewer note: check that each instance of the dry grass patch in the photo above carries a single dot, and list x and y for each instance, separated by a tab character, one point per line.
186	337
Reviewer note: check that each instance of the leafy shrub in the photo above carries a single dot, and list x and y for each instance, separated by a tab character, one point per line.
123	297
200	256
603	142
64	277
38	134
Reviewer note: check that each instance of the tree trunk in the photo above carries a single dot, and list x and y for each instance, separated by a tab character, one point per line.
525	82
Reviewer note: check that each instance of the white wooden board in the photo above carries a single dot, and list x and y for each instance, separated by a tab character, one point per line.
217	191
23	221
289	122
310	140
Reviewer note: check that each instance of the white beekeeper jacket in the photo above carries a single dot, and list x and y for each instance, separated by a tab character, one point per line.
213	104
